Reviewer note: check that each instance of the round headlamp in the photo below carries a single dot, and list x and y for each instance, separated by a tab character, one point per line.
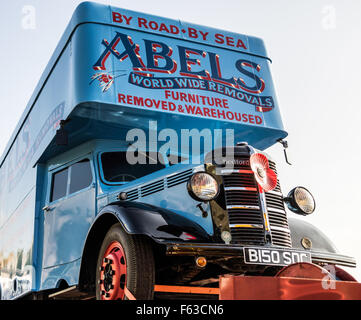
300	201
203	187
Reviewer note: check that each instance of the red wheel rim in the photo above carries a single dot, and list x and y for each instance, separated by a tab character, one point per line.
113	273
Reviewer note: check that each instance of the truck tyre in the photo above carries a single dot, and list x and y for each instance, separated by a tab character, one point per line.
127	261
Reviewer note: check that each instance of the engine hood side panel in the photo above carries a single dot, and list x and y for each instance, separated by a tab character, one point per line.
302	229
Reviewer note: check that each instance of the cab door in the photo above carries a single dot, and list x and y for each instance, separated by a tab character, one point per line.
69	213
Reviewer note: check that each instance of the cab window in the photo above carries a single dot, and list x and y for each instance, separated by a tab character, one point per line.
80	176
117	169
76	177
60	183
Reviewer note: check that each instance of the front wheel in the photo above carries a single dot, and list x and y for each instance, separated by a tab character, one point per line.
124	260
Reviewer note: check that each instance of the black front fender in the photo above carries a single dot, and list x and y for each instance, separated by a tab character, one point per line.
302	229
157	223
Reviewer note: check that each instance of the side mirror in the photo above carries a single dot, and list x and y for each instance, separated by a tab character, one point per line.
61	137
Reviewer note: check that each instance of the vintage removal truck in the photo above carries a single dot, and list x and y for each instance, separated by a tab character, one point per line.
138	167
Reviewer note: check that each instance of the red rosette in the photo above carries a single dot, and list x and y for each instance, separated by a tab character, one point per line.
265	176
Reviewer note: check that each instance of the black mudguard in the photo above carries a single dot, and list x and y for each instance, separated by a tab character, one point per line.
300	229
157	223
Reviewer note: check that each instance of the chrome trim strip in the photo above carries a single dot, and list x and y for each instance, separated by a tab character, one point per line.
228	171
240	189
280	229
265	213
333	258
253	226
270	209
275	193
242	207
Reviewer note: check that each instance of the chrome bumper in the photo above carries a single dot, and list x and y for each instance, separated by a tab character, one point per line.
222	250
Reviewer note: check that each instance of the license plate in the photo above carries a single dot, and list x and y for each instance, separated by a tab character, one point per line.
278	257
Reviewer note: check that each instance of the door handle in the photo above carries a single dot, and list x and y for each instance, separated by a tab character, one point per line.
47	208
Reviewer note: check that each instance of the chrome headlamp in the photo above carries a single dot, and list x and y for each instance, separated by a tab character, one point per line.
203	187
300	201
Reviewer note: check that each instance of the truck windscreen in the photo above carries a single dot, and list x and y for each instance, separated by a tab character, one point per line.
116	167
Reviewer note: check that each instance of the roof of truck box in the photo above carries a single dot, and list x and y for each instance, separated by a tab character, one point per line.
89	12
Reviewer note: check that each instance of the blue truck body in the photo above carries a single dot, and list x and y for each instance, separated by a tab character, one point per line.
115	70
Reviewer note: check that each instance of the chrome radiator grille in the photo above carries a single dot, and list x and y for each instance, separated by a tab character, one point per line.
277	215
242	200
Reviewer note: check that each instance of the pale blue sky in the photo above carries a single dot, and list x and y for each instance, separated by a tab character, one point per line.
315	49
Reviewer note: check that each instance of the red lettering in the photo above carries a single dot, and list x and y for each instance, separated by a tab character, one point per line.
129	99
218	102
230	41
192	33
163	27
240	44
148	103
127	20
117	17
121	98
221	113
225	103
199	111
156	103
230	115
153	103
204	35
174	29
142	22
183	96
172	106
206	112
167	94
190	109
153	25
164	105
138	101
219	38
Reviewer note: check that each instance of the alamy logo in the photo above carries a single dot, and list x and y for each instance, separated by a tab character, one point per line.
28	21
193	145
329	280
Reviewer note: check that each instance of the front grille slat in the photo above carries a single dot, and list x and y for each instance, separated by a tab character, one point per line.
179	178
277	214
152	188
242	197
245	217
233	182
132	195
248	236
278	222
